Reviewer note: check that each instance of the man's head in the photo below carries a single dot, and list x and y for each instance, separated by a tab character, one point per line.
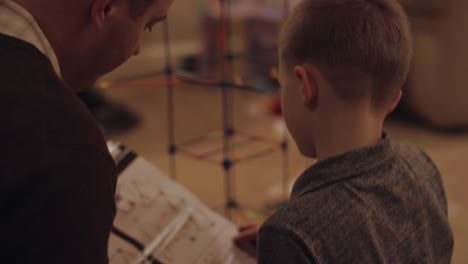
353	53
93	37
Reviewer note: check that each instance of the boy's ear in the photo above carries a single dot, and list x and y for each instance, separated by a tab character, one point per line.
100	12
395	102
309	87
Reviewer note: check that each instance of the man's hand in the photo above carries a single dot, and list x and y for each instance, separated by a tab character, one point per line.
247	239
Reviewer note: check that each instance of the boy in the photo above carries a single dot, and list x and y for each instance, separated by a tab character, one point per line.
368	199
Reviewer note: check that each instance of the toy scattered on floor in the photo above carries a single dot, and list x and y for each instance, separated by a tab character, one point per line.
260	22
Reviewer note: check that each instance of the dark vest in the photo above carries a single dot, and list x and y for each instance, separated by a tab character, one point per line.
57	179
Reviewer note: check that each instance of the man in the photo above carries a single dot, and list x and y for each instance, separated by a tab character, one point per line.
57	178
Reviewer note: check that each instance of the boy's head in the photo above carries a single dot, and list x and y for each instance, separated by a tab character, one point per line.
339	57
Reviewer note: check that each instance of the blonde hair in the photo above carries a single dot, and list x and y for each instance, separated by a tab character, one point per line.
351	42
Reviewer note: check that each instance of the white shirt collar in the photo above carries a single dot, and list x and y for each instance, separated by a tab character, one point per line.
17	22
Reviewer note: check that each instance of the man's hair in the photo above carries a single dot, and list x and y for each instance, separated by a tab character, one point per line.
138	7
352	42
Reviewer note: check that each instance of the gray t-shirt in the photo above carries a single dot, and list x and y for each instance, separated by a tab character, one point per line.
381	204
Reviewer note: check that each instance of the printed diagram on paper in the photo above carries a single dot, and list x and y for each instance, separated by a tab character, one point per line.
149	203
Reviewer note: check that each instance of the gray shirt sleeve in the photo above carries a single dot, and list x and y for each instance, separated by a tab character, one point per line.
278	245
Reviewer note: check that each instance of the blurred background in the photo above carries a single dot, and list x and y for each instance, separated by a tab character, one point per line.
131	103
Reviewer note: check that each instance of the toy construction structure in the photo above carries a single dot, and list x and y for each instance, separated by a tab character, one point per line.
229	137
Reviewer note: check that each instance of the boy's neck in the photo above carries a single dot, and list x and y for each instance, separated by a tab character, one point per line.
347	132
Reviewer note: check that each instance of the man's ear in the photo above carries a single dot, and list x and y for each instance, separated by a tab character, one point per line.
309	87
395	102
100	11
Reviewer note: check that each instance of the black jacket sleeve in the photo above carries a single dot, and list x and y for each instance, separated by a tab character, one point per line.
68	215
